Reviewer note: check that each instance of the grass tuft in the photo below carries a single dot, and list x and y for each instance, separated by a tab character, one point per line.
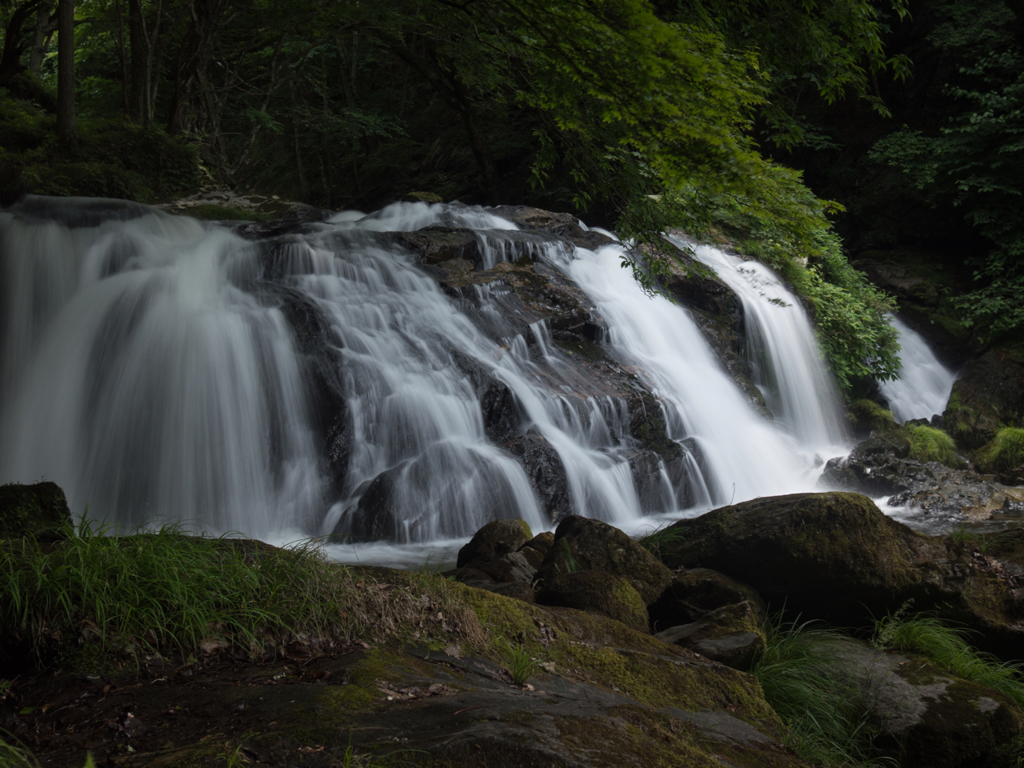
828	721
521	665
1005	452
947	647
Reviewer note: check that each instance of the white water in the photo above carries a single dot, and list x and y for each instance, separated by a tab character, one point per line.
924	384
783	353
148	369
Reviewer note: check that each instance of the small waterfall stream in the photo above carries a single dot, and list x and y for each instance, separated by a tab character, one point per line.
924	384
161	369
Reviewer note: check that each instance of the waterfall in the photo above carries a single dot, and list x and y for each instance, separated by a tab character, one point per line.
924	384
316	380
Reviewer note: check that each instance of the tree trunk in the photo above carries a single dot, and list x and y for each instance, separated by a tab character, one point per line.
66	129
46	25
122	56
140	55
14	44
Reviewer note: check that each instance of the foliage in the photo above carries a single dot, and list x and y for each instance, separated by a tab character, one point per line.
1005	452
948	648
828	722
931	444
974	159
665	536
870	416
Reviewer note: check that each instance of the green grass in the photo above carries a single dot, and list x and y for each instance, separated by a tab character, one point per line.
948	648
661	538
1006	451
827	719
166	590
931	444
520	665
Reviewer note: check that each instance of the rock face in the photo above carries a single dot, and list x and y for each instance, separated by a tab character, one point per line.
731	635
989	394
39	510
836	557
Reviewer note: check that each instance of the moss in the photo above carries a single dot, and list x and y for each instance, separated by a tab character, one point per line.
931	444
868	416
1004	453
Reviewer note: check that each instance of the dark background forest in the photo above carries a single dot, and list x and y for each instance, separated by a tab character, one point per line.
886	131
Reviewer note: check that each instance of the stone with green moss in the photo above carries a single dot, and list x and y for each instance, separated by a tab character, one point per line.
40	511
597	592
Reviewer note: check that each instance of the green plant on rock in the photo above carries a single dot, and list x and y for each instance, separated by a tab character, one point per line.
521	664
1005	452
931	444
828	722
947	647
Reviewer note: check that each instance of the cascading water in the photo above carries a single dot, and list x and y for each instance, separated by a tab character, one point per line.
782	351
318	381
924	384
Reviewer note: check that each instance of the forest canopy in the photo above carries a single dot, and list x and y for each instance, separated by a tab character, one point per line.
636	114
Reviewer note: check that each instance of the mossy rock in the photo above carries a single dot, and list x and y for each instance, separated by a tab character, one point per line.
696	592
597	592
836	557
867	416
495	540
40	511
731	635
582	544
988	396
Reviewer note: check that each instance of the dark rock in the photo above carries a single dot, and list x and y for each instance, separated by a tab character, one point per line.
582	544
436	244
373	517
546	473
564	225
596	592
988	395
836	557
731	635
698	591
513	567
492	542
928	718
40	511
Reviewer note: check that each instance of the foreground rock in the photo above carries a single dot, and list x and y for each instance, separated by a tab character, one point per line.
836	557
988	395
39	510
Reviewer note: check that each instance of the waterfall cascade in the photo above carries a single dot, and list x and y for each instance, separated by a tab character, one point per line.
319	380
924	384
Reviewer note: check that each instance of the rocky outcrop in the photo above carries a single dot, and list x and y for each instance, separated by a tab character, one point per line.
988	395
732	635
836	557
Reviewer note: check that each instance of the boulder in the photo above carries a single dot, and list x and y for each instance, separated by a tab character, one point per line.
731	635
836	557
696	592
40	511
596	592
926	717
582	544
495	540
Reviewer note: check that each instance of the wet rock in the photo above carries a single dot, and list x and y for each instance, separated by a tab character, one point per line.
373	516
436	244
536	548
836	557
876	467
696	592
40	511
562	224
988	395
596	592
582	544
731	635
546	473
495	540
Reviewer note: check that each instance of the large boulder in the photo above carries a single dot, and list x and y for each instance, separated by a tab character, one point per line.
582	544
925	716
597	592
696	592
495	540
40	511
836	557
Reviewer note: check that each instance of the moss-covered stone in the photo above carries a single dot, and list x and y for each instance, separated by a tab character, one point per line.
582	544
597	592
697	591
40	511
